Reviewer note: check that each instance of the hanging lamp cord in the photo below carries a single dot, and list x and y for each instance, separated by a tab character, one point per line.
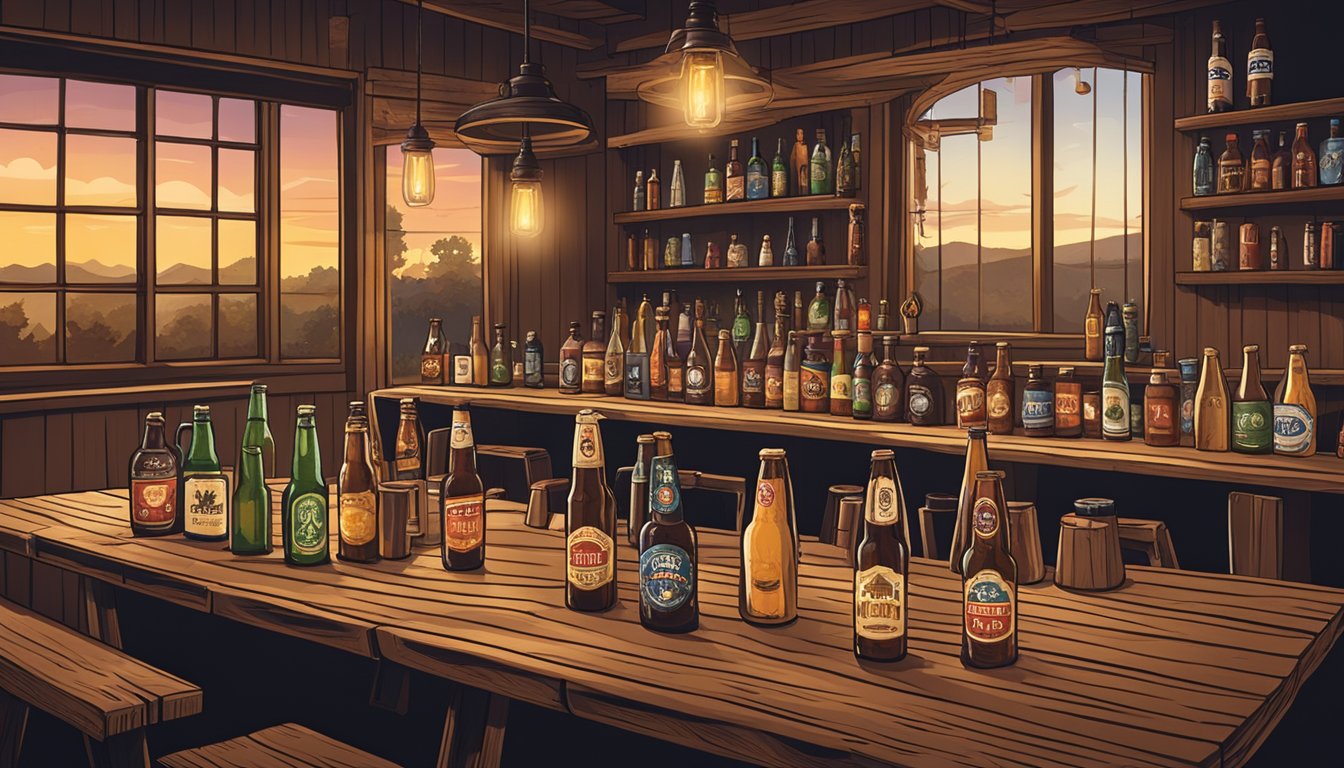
527	30
419	53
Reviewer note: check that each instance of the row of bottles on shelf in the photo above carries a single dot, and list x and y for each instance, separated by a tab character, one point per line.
1259	70
1295	168
1211	248
641	253
800	174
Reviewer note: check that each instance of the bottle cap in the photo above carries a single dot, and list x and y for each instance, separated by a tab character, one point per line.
989	474
772	453
200	410
1211	352
883	454
1251	348
307	410
1066	370
1034	371
644	439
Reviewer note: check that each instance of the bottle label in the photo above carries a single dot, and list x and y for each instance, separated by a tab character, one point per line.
1159	417
1090	411
1187	410
1038	409
358	516
989	608
1260	174
818	314
589	555
674	382
1092	326
665	488
757	187
697	383
1066	410
985	517
840	386
532	366
1260	64
767	491
774	383
612	369
666	577
921	400
593	369
725	388
879	603
500	372
154	502
308	523
463	522
1220	80
1294	429
812	384
737	188
569	372
407	468
970	404
587	446
741	330
863	395
752	379
779	183
207	500
462	369
635	383
431	367
883	501
1201	249
1000	402
1252	426
791	390
1114	409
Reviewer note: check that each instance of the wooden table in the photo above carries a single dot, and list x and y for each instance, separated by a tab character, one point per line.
1174	668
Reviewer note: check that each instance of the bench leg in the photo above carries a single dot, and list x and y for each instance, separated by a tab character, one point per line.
473	729
13	722
125	750
391	688
100	606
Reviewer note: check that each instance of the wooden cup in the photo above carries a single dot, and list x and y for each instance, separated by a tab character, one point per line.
1089	554
1025	536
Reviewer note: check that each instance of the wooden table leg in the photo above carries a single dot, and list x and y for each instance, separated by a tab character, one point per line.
391	688
100	606
1270	536
125	750
13	722
473	729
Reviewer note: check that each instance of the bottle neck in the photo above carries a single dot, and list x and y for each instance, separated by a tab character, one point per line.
256	403
356	447
154	437
307	464
202	443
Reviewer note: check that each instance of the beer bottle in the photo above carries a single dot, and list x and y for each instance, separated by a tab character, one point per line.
639	489
791	374
999	392
637	355
713	183
1212	424
774	357
1252	415
1068	404
971	391
1092	328
501	358
733	178
1259	173
154	507
676	367
462	500
699	364
977	460
571	353
820	170
593	356
742	326
205	488
842	377
801	165
882	566
842	315
250	526
668	600
408	452
888	386
767	593
1304	160
799	323
685	330
532	362
257	429
1231	167
725	372
658	357
644	319
654	194
590	525
989	581
1115	424
1259	67
1219	73
1281	165
819	311
814	379
303	506
357	498
1038	405
779	172
753	366
431	358
862	385
480	354
1161	403
460	354
1295	408
924	393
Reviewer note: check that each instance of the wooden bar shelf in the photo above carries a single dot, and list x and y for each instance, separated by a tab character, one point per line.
1264	277
1316	473
739	275
1252	201
802	204
1140	373
1278	113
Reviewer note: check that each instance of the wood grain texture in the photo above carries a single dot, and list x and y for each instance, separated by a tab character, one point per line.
280	746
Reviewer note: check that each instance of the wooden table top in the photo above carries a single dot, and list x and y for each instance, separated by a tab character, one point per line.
1322	472
1174	668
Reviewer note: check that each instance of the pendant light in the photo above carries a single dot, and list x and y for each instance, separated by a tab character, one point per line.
526	104
703	75
417	151
527	209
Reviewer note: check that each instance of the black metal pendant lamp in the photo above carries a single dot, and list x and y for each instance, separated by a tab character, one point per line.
417	151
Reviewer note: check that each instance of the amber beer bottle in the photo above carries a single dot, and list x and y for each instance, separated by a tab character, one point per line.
571	355
977	460
989	581
668	594
431	358
774	357
1068	404
408	451
792	374
462	500
590	526
1161	404
676	367
639	488
480	354
924	393
1252	415
1295	408
1092	328
357	498
613	360
888	386
725	372
882	566
814	377
753	366
768	585
658	357
1212	419
592	377
971	391
842	377
999	392
154	506
699	364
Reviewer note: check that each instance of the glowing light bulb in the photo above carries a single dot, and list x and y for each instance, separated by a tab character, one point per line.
702	76
527	209
417	177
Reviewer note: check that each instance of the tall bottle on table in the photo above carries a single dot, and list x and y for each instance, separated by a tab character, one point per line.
206	494
882	566
768	584
977	461
462	500
303	506
155	507
257	429
590	525
357	497
989	581
250	513
668	593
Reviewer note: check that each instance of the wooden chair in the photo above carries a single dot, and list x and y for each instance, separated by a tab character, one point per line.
1152	538
547	496
280	746
513	468
104	694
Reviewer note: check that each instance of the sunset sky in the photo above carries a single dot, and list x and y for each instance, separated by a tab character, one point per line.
456	209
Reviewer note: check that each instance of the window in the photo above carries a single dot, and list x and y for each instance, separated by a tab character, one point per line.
135	220
975	263
433	256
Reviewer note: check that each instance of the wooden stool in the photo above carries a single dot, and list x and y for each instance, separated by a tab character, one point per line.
1089	554
280	746
513	468
1152	538
545	498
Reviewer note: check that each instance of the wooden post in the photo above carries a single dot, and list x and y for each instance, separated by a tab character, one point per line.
1089	554
473	729
391	687
125	750
13	722
1268	536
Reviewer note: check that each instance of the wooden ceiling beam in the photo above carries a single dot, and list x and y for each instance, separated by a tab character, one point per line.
507	16
598	11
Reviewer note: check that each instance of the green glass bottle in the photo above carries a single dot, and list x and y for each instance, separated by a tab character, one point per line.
1115	423
819	175
819	310
205	488
741	326
758	177
250	526
257	430
779	175
304	517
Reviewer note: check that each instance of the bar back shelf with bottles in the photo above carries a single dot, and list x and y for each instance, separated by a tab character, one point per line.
1259	116
740	275
1302	201
1264	277
805	204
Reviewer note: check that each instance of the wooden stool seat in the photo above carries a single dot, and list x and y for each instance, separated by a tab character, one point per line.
280	746
1152	538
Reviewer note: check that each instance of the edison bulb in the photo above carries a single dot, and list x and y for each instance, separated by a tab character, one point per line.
417	177
702	77
527	210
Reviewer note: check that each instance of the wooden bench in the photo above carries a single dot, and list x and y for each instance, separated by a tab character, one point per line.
106	695
280	746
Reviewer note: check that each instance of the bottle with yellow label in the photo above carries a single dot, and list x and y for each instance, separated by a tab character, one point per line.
768	583
882	566
590	525
357	498
462	500
205	489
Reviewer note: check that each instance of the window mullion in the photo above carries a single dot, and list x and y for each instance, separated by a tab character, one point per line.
1043	198
148	235
268	252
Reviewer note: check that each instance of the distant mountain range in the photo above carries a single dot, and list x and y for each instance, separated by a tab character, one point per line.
94	271
18	273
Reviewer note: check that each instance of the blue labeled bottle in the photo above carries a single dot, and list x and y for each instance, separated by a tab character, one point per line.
1331	160
668	594
1203	171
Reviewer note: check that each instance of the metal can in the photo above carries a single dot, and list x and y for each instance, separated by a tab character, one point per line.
1310	257
1221	251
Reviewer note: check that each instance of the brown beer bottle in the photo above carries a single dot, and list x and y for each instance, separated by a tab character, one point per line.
1213	424
767	592
753	367
774	357
594	354
1000	392
676	367
1161	406
658	357
431	358
154	491
882	566
480	354
462	500
971	391
357	498
668	594
725	372
1092	328
408	454
699	364
571	353
888	386
613	372
639	489
989	581
1068	404
590	526
977	460
924	393
1295	408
